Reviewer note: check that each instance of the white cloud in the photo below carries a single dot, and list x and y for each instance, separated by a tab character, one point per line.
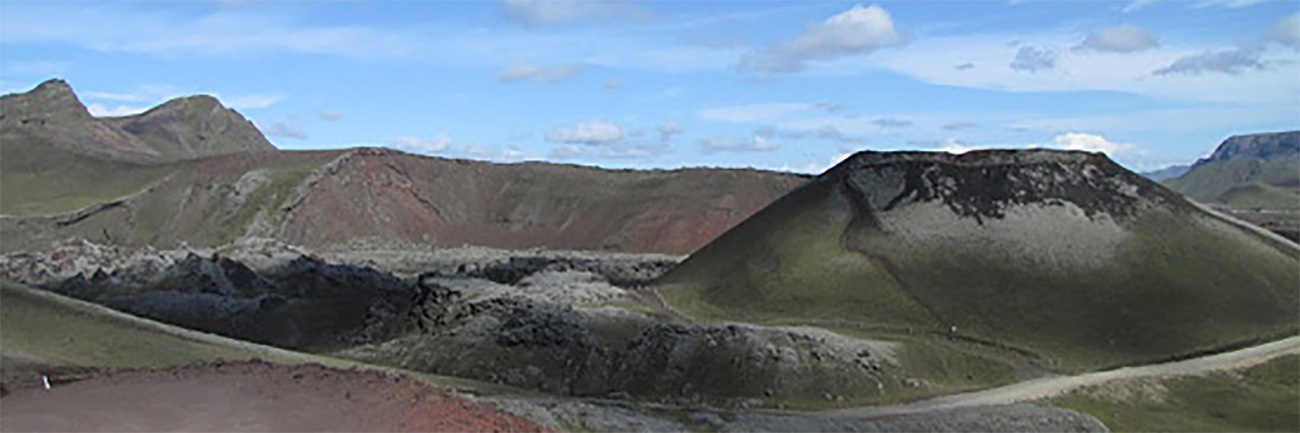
1232	4
612	84
886	122
592	132
832	133
1286	31
930	60
1033	59
953	145
1232	62
330	115
755	143
669	129
248	102
1088	143
752	112
553	13
540	73
1136	5
957	126
123	97
156	95
438	144
611	151
1120	39
101	110
226	32
816	167
856	31
287	127
36	68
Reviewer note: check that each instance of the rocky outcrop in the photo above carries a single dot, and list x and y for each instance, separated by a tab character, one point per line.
305	304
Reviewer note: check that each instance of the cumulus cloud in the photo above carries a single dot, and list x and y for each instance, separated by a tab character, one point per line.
956	146
606	140
1087	142
438	144
856	31
1119	39
330	115
1232	62
1033	59
1286	31
540	73
287	127
756	143
591	132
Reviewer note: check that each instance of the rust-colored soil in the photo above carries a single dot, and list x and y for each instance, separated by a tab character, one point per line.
251	396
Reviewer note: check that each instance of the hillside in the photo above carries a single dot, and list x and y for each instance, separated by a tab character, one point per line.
1063	256
51	116
192	127
323	199
58	157
194	172
1253	177
1167	173
1247	171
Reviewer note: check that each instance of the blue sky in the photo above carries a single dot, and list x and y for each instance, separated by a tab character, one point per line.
777	85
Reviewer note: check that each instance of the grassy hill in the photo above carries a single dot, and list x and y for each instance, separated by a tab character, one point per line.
1064	256
1244	183
1263	397
46	333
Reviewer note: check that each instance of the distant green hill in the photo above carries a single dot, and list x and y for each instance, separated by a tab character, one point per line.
1064	255
1246	172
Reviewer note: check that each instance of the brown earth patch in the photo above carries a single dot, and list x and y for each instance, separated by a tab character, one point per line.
251	396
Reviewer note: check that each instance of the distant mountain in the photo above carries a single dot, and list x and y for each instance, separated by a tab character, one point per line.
51	116
194	126
1247	172
1167	173
1061	256
136	180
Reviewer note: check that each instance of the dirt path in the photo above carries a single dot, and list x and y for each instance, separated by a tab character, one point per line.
252	396
1052	386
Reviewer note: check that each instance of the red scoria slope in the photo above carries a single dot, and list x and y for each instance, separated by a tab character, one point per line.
327	198
252	396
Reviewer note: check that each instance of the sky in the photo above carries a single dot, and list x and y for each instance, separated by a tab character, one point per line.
793	86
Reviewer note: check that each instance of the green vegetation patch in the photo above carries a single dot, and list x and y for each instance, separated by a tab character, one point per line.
1265	397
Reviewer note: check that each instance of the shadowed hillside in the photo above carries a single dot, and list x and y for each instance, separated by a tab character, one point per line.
135	181
1065	255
